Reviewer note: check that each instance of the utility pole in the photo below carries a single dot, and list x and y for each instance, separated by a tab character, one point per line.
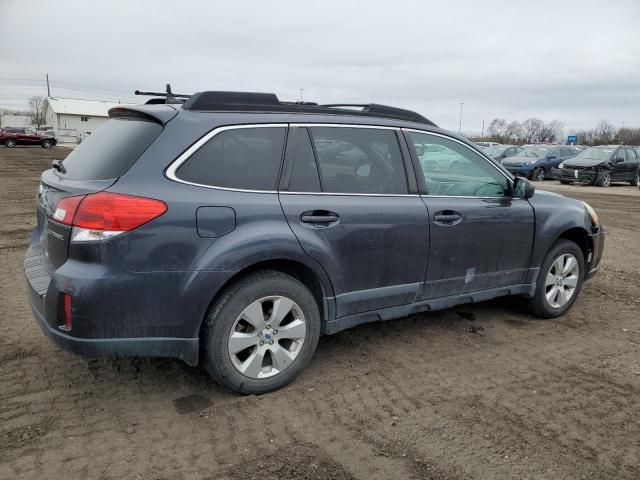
301	90
48	90
482	130
460	125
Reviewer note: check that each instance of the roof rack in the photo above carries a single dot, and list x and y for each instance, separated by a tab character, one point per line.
164	98
269	102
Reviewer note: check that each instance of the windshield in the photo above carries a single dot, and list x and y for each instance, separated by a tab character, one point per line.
596	153
534	152
494	151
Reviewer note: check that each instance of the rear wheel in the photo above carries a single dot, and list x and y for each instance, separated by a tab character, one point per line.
261	333
604	180
559	281
47	144
10	143
538	174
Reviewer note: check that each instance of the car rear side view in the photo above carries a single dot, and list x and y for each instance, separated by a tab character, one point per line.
235	230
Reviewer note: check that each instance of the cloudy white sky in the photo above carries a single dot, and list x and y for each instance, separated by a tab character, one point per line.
575	61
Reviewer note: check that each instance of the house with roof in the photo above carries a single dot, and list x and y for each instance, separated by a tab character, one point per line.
73	119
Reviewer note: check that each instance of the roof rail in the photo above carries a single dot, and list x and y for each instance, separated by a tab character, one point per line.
169	96
269	102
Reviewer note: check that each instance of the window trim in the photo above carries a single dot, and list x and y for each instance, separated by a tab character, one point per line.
418	167
170	171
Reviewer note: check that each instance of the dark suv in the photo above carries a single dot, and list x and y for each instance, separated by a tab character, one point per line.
601	166
236	229
12	136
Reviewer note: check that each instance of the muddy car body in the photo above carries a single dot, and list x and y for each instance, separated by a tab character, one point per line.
227	231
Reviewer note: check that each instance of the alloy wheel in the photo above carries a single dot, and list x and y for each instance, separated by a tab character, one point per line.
562	280
267	337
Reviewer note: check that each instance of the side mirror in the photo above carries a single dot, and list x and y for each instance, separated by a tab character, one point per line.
551	157
618	160
523	188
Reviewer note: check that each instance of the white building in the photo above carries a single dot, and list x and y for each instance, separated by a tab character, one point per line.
12	120
72	119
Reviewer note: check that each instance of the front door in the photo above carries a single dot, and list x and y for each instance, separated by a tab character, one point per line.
345	195
480	237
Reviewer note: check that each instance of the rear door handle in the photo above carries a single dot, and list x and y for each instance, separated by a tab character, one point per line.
447	218
319	217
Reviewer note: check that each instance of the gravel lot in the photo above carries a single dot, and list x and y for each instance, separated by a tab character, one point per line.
478	391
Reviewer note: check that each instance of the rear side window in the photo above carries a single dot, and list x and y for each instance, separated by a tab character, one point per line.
111	150
304	174
359	160
243	158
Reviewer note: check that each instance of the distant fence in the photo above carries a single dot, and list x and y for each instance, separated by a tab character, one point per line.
71	135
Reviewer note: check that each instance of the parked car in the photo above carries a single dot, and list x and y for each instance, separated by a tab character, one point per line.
12	136
536	162
601	166
484	145
500	152
235	230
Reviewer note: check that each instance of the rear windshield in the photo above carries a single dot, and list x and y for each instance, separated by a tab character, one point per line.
111	150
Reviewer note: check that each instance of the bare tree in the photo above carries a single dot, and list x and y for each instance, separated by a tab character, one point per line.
628	136
531	129
604	133
36	106
513	132
550	132
497	129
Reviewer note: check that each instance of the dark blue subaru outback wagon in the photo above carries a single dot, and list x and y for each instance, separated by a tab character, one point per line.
235	229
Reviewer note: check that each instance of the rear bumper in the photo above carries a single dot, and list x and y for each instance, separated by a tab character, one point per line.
104	314
185	349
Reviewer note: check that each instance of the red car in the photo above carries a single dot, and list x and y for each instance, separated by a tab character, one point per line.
12	136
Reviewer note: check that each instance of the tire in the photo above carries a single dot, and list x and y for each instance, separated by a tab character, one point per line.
47	144
604	180
538	174
253	294
540	305
636	179
10	143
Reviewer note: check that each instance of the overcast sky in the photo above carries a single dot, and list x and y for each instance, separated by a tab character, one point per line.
575	61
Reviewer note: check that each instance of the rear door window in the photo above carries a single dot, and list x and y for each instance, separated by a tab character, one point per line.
359	160
240	158
111	150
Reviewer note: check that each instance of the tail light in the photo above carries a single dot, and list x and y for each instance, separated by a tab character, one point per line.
103	215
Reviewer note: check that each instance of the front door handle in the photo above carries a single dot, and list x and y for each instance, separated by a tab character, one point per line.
447	218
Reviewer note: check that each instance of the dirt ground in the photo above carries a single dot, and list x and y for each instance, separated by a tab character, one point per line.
479	391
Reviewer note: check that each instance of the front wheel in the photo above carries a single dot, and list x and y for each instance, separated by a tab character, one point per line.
559	281
10	143
538	174
636	179
261	333
604	180
47	144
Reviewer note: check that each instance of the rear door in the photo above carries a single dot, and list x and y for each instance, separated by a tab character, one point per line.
480	237
347	198
620	167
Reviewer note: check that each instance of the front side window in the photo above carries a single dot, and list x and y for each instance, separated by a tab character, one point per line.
452	169
242	158
359	160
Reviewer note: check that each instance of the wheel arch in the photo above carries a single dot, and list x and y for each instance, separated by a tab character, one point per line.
319	285
579	236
